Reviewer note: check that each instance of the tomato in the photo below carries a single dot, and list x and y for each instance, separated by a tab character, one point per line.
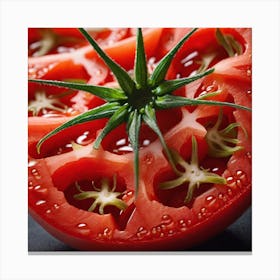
68	172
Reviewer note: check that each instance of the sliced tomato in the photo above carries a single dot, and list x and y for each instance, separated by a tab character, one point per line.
68	170
44	41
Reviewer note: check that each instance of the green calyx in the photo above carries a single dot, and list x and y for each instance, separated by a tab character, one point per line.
137	100
192	175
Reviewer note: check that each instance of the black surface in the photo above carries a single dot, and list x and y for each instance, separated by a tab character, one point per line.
236	238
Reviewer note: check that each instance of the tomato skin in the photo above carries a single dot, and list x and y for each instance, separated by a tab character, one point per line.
149	222
206	229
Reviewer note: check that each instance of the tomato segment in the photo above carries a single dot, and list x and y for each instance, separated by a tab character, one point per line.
86	196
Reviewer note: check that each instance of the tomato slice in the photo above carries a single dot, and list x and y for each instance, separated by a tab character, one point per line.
68	177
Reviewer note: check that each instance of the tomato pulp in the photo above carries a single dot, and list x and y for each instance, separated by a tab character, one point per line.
67	174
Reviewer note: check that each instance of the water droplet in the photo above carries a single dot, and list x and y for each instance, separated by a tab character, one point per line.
222	197
229	192
42	192
166	220
249	155
249	72
241	175
249	91
171	232
209	198
121	142
32	163
40	202
203	210
106	234
83	229
157	231
142	232
146	142
84	139
182	225
35	173
30	185
199	216
212	203
215	169
81	225
48	211
239	183
231	182
127	195
55	206
232	161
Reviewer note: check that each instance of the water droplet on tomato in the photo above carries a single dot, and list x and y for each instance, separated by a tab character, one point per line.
41	191
142	232
209	198
157	231
222	197
249	72
171	232
232	161
48	211
203	210
55	206
40	202
30	185
83	228
166	220
127	195
182	225
239	183
199	216
229	192
212	204
106	234
121	142
215	169
239	173
84	139
81	225
146	142
122	146
230	180
36	173
32	163
107	231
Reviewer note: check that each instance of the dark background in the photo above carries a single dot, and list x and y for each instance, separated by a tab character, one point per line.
236	238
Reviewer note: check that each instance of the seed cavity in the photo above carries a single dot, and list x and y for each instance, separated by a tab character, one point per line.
192	174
